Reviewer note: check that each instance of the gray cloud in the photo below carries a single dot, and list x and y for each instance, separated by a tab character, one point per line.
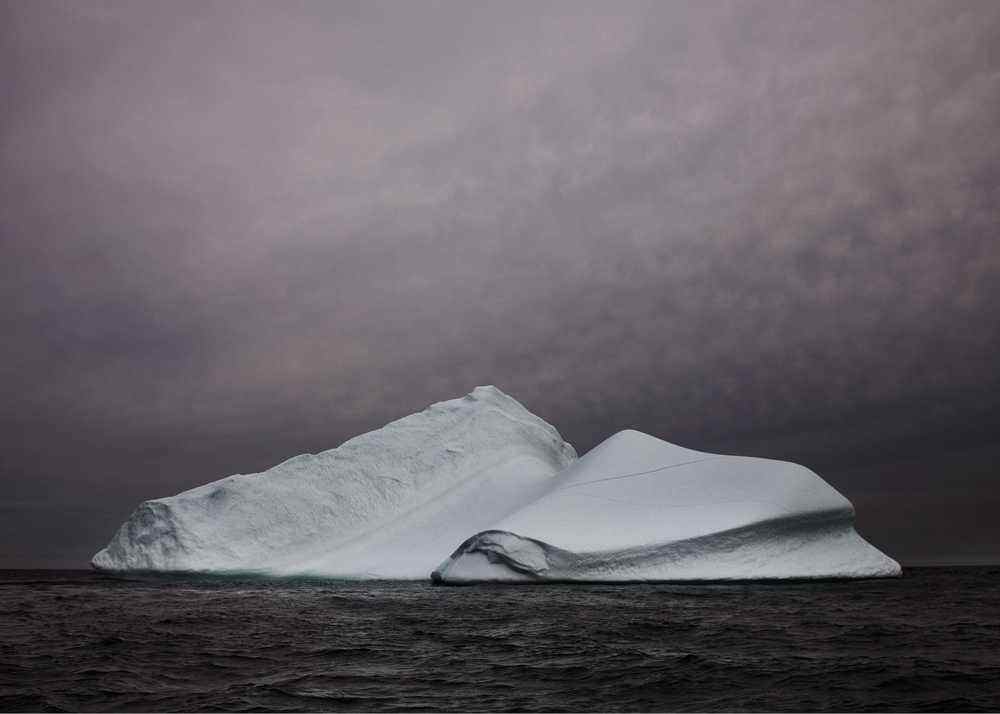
236	232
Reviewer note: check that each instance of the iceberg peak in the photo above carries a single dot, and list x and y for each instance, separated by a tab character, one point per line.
389	503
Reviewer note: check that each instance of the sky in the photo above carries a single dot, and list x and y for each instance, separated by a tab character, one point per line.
232	232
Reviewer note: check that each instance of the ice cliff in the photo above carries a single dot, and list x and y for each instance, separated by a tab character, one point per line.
637	508
391	503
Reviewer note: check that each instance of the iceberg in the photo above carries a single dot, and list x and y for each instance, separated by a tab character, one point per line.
391	503
484	473
636	508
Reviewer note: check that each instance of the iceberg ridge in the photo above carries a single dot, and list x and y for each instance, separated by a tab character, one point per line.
390	503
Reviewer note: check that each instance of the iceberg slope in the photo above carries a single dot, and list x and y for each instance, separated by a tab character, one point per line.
391	503
637	508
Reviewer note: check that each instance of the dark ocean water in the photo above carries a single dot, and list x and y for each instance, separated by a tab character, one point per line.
80	641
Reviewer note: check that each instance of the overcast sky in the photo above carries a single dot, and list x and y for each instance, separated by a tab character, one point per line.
237	231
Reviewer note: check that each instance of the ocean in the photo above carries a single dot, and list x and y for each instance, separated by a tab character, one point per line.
81	641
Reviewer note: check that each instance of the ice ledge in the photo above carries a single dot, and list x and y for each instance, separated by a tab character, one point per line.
817	546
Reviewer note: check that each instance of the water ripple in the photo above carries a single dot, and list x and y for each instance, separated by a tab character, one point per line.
74	641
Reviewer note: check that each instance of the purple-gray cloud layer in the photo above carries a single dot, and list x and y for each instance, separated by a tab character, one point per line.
236	231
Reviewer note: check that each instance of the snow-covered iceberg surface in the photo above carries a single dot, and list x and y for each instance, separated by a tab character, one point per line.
637	508
391	503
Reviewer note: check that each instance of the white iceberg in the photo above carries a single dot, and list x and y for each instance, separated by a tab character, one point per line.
636	508
485	472
391	503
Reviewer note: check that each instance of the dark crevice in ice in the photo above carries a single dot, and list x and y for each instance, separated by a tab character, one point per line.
639	473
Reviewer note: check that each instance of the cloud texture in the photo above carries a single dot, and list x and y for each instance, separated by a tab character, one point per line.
237	231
